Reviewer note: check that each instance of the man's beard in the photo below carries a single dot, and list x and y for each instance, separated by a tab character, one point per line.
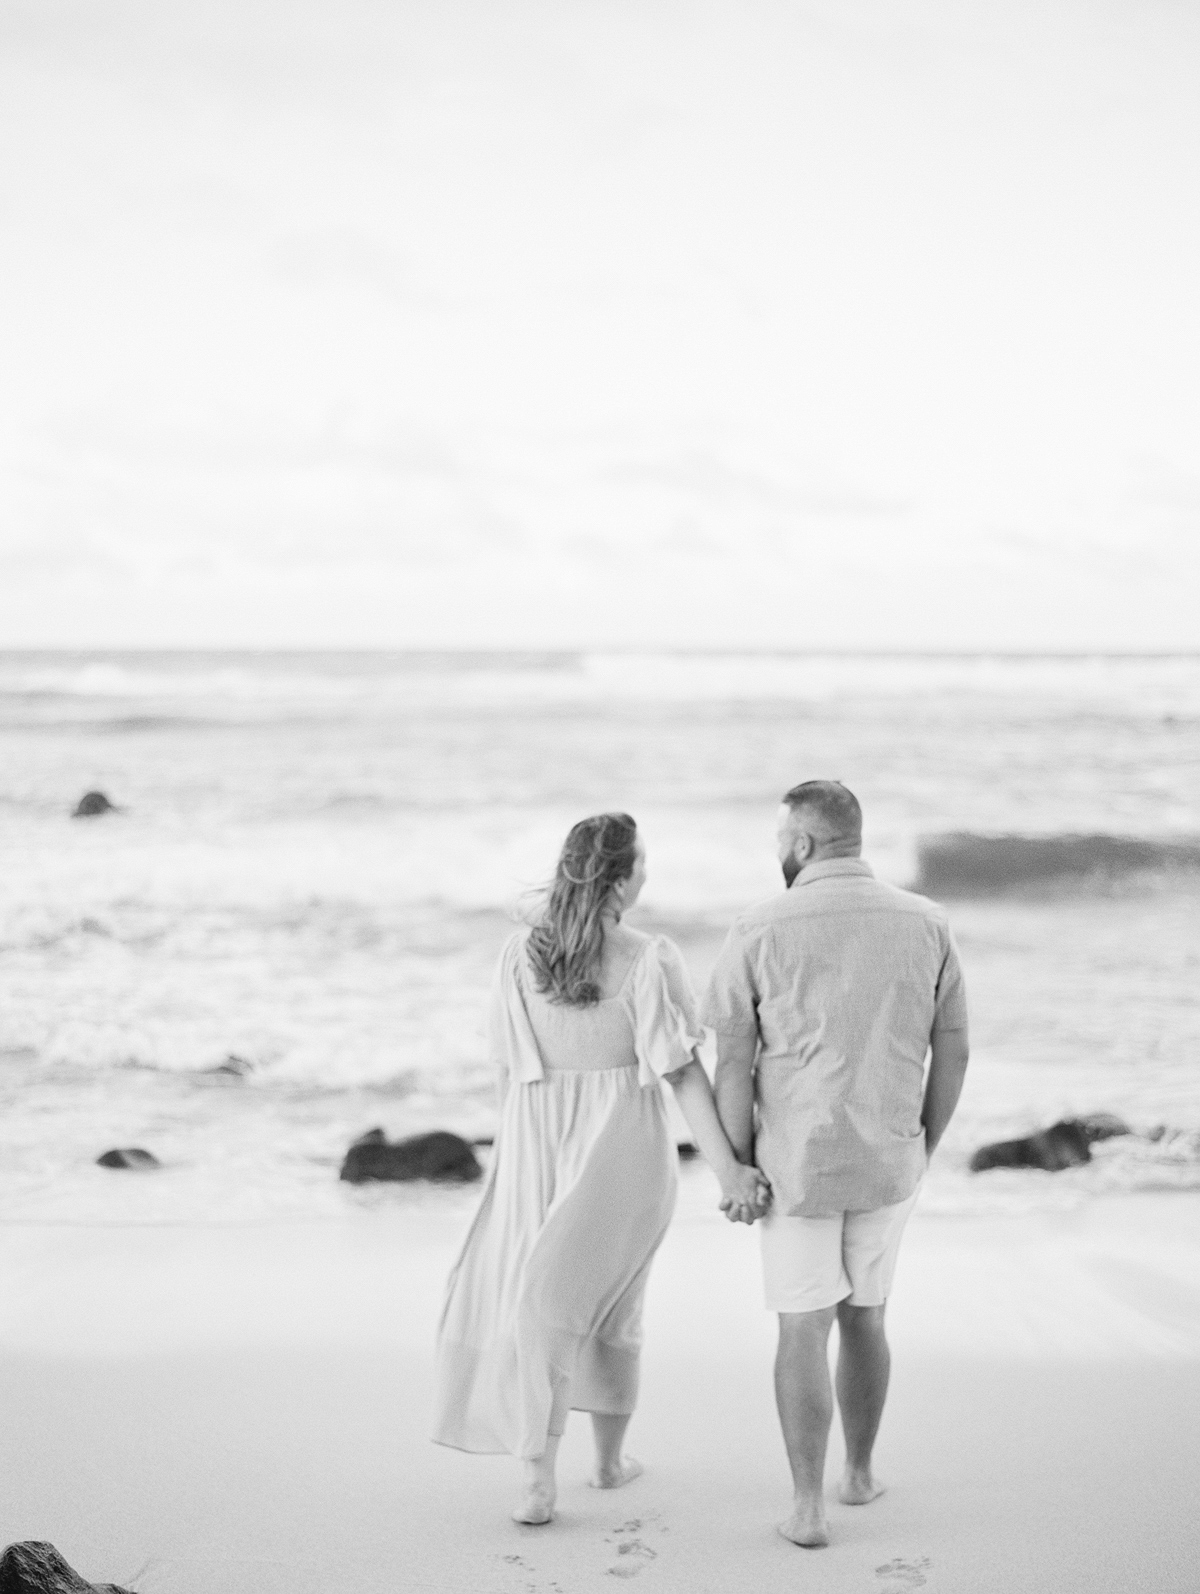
791	867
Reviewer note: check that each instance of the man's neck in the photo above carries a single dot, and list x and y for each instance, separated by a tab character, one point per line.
833	850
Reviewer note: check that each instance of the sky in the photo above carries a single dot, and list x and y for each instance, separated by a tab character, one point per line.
600	322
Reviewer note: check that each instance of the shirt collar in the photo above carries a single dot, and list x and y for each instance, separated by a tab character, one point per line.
824	868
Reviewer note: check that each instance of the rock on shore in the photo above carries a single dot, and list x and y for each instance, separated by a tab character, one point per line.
439	1156
132	1157
33	1567
92	804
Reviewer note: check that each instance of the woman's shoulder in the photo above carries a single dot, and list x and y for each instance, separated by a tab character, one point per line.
661	993
644	950
651	957
644	938
665	950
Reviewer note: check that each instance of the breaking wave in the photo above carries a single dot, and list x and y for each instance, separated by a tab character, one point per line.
964	864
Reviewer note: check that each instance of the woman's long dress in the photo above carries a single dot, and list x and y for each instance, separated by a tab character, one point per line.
548	1287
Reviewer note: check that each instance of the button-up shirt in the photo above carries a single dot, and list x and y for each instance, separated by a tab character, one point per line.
842	981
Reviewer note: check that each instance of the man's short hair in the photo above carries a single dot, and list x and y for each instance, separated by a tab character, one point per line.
835	804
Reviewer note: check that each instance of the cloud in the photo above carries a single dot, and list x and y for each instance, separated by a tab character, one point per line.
527	321
335	256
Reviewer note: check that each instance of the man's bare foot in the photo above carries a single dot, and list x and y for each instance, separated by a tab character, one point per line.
807	1526
859	1488
537	1508
625	1471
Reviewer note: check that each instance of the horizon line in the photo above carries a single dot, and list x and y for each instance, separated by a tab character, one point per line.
463	650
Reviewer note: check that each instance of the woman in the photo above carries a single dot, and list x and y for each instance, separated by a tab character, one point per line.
543	1307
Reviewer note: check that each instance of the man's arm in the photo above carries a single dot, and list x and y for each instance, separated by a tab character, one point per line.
734	1091
947	1068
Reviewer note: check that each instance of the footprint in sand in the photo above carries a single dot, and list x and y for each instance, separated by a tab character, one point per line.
633	1556
901	1576
637	1524
519	1565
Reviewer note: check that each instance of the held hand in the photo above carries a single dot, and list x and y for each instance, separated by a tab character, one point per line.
745	1212
745	1195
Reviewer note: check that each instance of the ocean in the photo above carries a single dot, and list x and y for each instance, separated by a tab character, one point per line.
317	857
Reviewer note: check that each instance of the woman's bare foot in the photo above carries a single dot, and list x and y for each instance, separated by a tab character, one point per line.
537	1503
612	1477
537	1508
859	1488
807	1526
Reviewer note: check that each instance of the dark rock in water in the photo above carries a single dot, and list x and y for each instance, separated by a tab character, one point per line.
440	1156
686	1151
1066	1144
234	1066
1063	1145
484	1140
36	1568
91	804
129	1157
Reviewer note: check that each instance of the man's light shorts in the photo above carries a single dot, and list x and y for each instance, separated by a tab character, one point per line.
812	1263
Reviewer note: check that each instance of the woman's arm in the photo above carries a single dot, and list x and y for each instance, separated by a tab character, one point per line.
741	1186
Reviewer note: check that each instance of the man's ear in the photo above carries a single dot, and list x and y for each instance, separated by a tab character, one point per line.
803	844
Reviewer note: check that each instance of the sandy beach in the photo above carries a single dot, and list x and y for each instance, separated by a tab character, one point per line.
194	1409
427	425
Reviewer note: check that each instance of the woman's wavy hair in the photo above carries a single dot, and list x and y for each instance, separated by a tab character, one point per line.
565	943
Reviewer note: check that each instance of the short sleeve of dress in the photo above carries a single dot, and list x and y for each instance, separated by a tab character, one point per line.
666	1027
511	1041
950	1001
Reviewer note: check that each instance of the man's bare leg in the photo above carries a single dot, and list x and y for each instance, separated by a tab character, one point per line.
805	1400
864	1363
612	1468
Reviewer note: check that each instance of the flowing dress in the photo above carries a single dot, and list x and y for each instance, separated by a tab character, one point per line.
549	1284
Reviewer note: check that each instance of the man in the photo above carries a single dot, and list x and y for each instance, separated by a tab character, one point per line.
825	1001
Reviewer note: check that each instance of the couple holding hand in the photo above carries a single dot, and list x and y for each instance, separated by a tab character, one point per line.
826	1001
